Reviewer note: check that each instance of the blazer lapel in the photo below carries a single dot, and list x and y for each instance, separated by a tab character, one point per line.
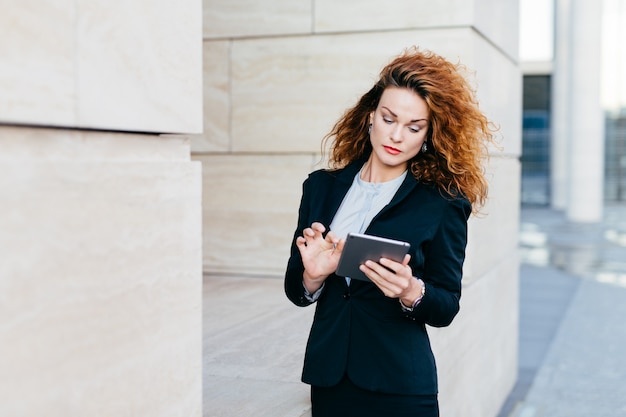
339	189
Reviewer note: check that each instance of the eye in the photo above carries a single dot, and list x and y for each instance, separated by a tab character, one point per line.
387	120
414	129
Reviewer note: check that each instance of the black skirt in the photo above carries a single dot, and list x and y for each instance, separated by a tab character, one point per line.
347	400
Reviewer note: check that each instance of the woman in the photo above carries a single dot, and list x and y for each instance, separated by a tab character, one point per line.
406	164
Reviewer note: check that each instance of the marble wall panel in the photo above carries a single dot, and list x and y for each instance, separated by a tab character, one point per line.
236	18
288	92
496	20
498	81
37	68
140	65
132	66
216	70
477	354
100	283
372	15
250	207
499	22
493	234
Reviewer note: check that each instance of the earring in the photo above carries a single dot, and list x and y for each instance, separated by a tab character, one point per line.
424	147
369	130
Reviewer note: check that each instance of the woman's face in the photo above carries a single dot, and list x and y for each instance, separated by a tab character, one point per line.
399	127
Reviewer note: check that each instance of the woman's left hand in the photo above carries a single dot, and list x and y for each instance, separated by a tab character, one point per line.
395	279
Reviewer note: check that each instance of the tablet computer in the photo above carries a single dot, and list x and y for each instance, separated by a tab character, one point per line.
360	248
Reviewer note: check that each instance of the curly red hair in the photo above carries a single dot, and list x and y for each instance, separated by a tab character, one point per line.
458	133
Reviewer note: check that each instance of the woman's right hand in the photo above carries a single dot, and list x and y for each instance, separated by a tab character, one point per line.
320	255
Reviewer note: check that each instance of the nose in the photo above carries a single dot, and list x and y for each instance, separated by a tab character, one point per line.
396	134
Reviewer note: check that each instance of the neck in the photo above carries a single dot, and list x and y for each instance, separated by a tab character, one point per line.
377	173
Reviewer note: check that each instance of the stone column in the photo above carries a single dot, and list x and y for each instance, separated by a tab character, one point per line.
560	98
100	213
586	121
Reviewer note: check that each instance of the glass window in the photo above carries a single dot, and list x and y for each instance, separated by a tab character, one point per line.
535	157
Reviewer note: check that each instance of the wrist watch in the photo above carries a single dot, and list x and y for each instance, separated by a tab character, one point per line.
417	300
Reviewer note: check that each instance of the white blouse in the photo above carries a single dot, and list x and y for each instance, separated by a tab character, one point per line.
362	202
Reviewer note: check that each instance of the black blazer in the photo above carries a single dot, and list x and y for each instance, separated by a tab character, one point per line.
358	331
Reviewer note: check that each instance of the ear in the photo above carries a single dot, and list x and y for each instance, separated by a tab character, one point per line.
371	117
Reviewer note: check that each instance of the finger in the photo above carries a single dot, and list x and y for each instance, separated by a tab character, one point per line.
331	237
318	227
311	235
390	265
386	287
389	280
377	267
400	269
380	274
301	245
368	269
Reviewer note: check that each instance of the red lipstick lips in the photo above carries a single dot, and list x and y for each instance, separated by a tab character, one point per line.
392	150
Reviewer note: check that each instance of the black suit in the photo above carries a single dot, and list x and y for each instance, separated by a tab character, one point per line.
356	329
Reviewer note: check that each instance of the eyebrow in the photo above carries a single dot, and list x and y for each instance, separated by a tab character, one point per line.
395	115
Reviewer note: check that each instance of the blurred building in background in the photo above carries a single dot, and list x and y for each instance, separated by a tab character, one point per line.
573	57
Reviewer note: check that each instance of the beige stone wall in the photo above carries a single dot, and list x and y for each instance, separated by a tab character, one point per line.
268	98
276	77
101	271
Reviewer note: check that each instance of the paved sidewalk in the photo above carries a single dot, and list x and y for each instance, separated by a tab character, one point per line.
573	308
247	372
545	295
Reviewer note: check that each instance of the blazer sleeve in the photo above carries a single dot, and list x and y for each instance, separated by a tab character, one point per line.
294	288
443	267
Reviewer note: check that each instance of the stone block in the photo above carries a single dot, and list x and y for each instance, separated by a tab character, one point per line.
494	232
131	66
216	93
140	65
101	277
372	15
498	81
250	210
497	21
288	92
237	18
37	69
